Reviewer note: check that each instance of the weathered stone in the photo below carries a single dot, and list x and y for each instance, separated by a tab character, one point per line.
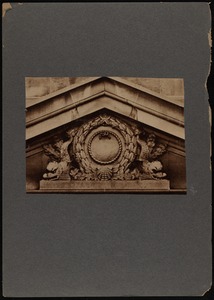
113	131
105	93
110	186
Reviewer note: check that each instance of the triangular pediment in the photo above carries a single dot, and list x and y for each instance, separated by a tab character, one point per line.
115	94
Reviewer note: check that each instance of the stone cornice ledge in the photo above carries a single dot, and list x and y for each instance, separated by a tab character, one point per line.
105	93
110	95
31	101
146	90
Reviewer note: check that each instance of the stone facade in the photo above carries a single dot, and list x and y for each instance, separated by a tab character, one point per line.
105	134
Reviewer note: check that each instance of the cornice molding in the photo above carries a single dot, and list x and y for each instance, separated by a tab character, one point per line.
37	100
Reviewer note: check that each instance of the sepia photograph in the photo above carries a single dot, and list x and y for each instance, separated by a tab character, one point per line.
105	134
107	186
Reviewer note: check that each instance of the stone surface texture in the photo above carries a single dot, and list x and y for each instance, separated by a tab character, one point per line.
109	130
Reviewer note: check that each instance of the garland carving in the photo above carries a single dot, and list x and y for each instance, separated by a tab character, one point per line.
135	158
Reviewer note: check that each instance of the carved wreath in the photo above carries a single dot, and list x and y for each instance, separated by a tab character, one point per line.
129	137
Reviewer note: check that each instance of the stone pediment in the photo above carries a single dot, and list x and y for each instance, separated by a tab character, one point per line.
128	99
106	134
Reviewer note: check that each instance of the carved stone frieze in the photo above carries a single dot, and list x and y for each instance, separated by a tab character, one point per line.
105	149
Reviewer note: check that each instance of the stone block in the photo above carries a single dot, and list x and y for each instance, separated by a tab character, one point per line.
106	186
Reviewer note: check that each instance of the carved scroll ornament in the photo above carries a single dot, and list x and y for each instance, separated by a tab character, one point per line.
104	148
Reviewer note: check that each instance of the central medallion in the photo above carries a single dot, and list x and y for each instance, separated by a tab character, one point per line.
104	147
